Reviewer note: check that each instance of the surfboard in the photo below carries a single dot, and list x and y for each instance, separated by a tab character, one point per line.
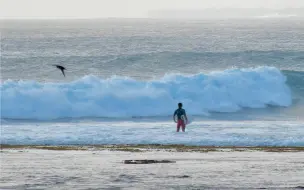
184	119
189	120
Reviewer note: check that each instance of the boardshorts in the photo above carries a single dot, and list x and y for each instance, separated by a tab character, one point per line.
180	123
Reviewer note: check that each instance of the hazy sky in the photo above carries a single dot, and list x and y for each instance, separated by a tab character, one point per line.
123	8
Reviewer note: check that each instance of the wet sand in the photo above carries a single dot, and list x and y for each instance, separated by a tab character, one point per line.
194	167
158	147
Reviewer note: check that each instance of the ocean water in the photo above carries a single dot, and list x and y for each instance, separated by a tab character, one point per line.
241	81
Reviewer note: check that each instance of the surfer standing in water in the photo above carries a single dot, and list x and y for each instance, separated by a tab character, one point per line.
181	117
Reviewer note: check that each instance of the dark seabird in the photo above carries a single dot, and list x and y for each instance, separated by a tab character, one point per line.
61	68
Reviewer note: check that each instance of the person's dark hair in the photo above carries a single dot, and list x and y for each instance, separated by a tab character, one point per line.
180	105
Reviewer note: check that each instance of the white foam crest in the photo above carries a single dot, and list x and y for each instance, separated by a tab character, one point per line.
276	15
90	96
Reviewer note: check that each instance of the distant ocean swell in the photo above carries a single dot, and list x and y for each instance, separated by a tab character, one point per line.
91	96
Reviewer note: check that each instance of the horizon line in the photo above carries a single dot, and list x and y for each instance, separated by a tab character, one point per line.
152	18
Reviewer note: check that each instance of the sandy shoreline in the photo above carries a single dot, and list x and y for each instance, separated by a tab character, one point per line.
157	147
47	168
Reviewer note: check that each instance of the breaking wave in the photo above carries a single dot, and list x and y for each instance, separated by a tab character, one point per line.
91	96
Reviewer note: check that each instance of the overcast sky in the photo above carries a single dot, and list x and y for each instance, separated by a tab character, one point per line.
123	8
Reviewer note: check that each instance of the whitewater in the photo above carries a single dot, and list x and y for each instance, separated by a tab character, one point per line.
241	85
90	96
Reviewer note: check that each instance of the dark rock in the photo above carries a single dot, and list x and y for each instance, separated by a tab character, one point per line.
180	176
299	187
147	161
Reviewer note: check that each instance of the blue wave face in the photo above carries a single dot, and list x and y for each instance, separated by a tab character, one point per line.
295	79
90	96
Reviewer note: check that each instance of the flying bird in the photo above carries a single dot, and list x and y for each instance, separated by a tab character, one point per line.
61	68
